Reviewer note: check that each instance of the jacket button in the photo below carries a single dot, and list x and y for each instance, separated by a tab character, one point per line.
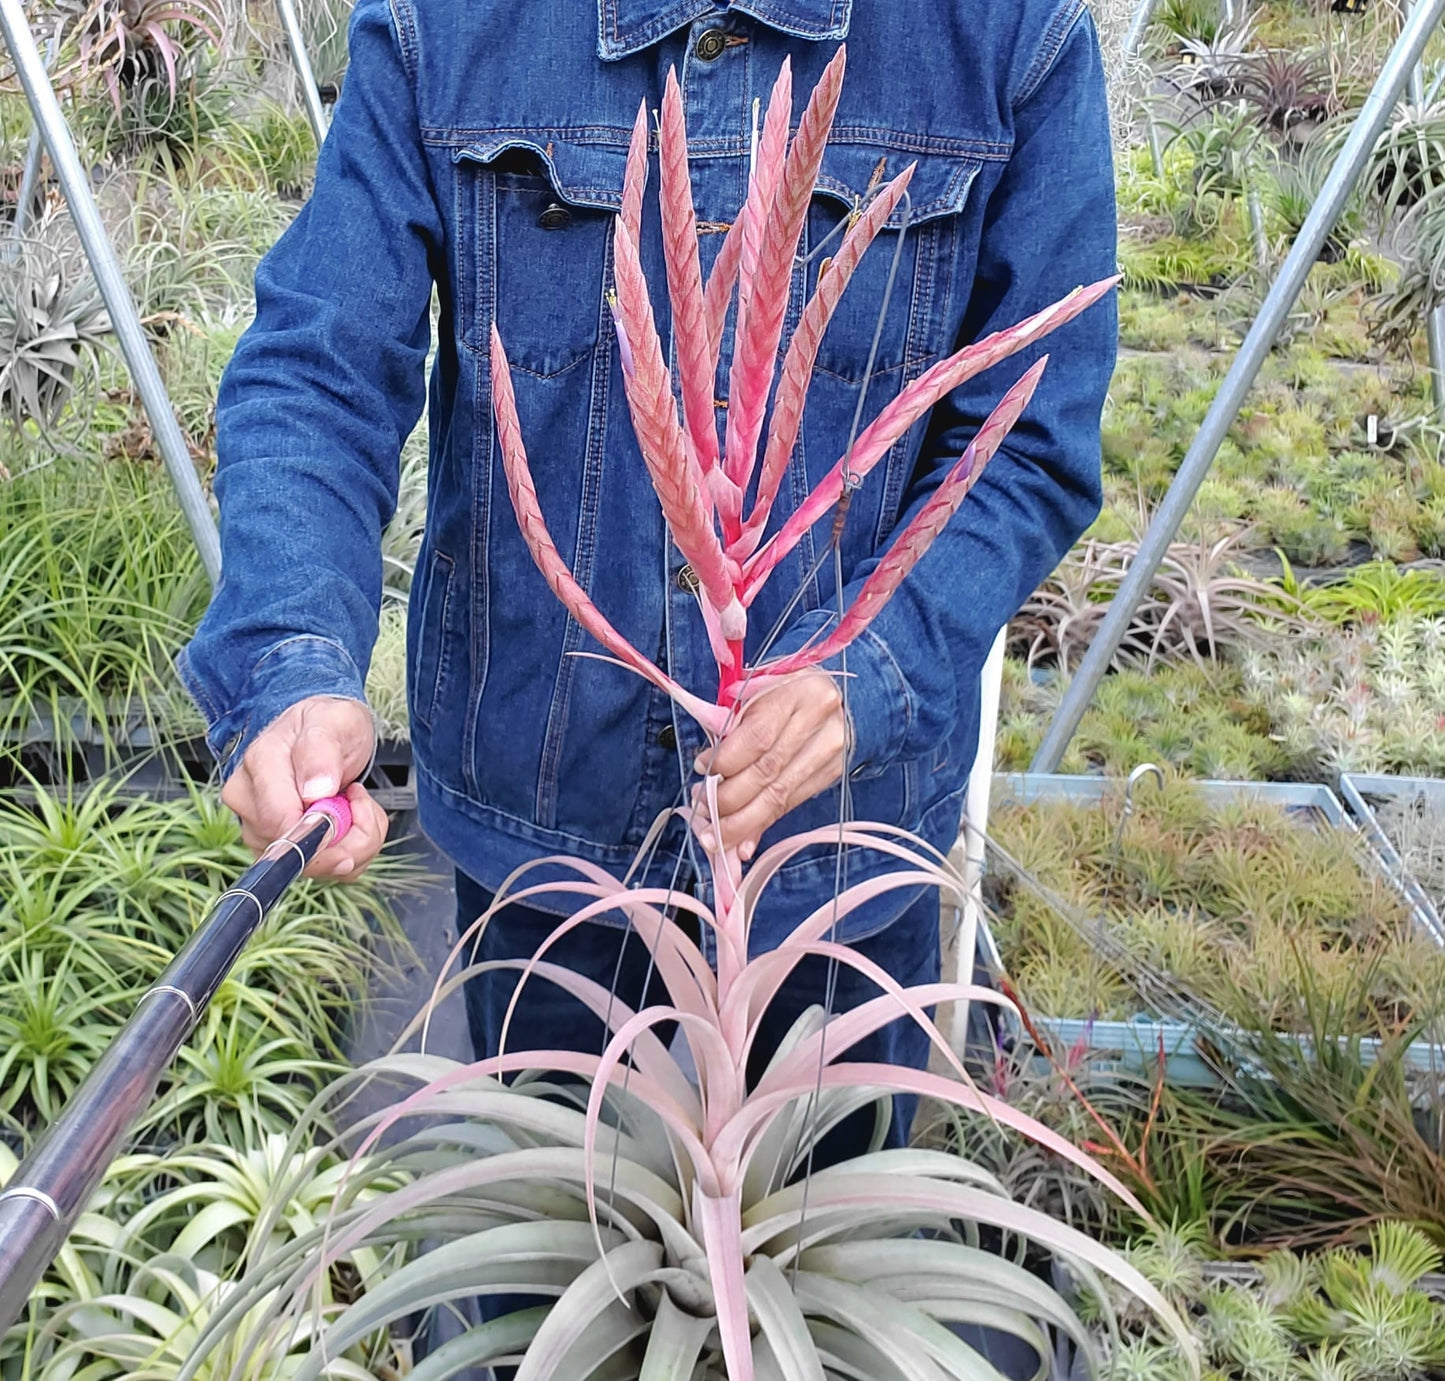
710	45
555	217
667	738
687	580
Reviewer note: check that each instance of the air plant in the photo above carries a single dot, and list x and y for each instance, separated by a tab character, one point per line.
1199	606
130	43
683	1228
1288	89
51	322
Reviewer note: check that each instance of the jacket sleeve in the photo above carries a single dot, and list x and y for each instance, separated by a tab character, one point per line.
313	409
1049	227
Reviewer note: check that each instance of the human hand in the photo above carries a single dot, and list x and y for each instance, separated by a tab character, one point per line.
312	750
788	744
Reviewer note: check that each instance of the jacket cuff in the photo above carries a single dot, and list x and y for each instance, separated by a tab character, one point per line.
293	670
879	699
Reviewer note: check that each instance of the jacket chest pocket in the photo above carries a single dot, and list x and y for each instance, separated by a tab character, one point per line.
904	292
534	224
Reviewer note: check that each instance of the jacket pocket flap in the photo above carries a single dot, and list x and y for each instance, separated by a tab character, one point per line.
940	186
581	174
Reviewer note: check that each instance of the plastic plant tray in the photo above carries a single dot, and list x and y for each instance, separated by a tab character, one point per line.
1134	1047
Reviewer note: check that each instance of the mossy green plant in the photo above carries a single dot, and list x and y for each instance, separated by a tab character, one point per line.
1254	913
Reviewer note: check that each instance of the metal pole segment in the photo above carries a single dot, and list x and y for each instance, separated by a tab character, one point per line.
52	1185
315	111
31	174
1344	175
1138	27
125	320
1434	320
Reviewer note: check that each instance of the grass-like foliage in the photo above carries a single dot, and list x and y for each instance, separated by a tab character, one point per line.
99	586
672	1228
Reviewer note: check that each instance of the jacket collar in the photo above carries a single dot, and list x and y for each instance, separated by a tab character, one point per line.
627	26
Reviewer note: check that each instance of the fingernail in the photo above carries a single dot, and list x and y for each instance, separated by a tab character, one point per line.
319	787
704	837
698	764
747	851
344	867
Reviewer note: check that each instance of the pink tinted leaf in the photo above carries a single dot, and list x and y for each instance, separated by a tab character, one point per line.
802	354
896	1079
720	1220
549	561
918	536
906	409
684	282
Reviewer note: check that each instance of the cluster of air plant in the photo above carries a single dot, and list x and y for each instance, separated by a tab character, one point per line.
1341	1315
675	1226
1199	606
1249	912
1369	698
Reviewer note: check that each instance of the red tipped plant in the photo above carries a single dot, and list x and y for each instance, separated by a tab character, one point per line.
667	1216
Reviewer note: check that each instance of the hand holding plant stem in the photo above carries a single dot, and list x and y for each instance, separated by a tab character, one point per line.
788	744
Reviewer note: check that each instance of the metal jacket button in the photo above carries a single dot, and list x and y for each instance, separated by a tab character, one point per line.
687	580
667	738
710	45
555	217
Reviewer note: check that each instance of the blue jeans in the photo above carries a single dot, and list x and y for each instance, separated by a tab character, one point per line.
549	1018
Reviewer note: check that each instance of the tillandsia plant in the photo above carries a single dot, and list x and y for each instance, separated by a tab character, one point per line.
682	1227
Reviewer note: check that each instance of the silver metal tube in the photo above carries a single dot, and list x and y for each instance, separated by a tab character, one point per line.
31	173
1435	320
51	1186
1325	212
45	110
315	111
1138	27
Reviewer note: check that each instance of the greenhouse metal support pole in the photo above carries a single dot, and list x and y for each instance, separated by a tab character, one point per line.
125	320
1435	320
1138	27
315	111
1257	344
31	174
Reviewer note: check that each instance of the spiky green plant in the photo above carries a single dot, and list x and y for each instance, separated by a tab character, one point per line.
666	1219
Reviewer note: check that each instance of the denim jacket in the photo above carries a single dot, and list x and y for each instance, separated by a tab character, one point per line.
479	146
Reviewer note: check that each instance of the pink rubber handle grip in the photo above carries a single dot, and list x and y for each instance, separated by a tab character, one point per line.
337	809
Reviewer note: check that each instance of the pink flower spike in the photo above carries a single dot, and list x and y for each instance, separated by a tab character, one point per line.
748	384
904	410
918	536
719	291
802	353
684	282
634	179
712	718
675	475
761	327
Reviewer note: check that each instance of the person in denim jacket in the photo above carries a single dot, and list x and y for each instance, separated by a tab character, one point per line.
478	149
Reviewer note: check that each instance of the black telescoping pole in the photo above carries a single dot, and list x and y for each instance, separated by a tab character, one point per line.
52	1185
